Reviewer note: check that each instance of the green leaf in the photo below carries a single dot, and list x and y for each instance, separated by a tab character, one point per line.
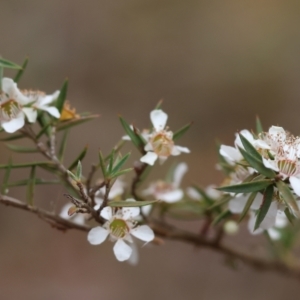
80	157
30	187
21	149
257	164
249	187
79	170
259	127
4	63
122	172
62	96
267	200
73	176
247	206
130	203
12	137
135	138
225	214
45	129
288	197
6	178
63	145
20	72
27	165
102	165
1	77
111	161
120	164
45	122
159	104
61	125
289	215
185	210
178	134
249	148
217	204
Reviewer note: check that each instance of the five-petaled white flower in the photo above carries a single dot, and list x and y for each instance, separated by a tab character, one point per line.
12	114
160	144
168	191
120	225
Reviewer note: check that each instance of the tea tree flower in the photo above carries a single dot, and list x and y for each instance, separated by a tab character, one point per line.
160	144
168	191
12	113
120	227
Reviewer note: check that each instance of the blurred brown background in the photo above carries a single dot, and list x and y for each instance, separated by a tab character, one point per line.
218	63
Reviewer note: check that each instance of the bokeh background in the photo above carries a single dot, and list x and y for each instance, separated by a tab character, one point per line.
217	63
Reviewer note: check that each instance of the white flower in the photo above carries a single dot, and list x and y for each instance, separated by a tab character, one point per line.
120	226
12	114
40	101
210	191
78	218
168	191
160	141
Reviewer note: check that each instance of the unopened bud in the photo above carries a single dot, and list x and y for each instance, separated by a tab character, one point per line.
231	227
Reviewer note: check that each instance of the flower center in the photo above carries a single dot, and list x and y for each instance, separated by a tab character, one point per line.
118	228
162	143
287	167
9	109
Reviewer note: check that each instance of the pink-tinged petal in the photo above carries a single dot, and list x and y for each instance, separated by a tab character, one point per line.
270	218
97	235
270	164
14	124
237	204
51	110
30	113
183	149
179	172
171	197
149	158
295	183
122	250
230	154
158	119
106	213
144	233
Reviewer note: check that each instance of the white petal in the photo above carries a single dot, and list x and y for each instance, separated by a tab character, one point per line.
183	149
170	197
251	224
144	233
271	164
246	134
175	151
149	158
53	111
146	209
10	87
277	132
230	153
270	218
236	205
192	193
158	119
257	202
162	159
212	192
106	213
30	113
148	147
97	235
281	220
122	250
126	138
274	234
130	212
14	124
48	98
179	172
295	183
261	144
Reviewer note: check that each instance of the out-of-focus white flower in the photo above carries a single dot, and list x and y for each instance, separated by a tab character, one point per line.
120	226
168	191
78	218
12	114
210	191
160	144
